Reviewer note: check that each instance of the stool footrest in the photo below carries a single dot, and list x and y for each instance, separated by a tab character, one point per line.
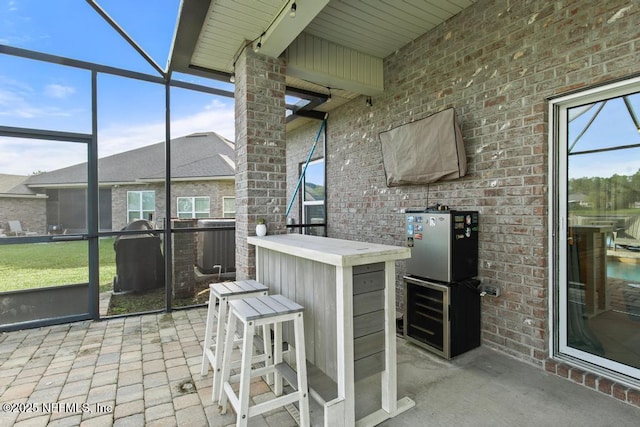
288	373
258	342
259	408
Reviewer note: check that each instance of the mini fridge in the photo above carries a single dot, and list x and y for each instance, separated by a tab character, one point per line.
444	244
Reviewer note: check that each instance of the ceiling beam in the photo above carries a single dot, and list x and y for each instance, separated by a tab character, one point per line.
284	28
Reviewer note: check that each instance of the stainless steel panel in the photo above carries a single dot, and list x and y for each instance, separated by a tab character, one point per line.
431	251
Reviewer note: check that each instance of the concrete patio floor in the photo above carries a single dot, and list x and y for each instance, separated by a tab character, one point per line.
145	370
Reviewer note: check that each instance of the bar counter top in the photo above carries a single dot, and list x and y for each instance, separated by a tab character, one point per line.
331	251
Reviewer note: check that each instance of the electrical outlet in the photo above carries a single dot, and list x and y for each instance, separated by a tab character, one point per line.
491	290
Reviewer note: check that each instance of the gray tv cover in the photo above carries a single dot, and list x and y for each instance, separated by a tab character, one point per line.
424	151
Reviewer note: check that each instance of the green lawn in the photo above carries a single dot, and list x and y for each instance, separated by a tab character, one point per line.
37	265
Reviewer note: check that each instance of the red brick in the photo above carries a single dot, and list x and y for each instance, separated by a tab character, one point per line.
605	385
620	392
633	397
591	380
577	375
550	366
563	370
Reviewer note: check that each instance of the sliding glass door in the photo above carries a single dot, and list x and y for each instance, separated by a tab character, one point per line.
596	204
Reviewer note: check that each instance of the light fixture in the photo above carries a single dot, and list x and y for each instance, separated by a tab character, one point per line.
329	97
294	8
232	77
257	46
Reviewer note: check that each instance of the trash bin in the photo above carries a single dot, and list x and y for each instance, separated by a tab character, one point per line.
139	260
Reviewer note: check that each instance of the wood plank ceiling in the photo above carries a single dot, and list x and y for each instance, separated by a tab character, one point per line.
327	42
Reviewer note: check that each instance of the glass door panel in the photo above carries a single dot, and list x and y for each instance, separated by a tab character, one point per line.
601	292
313	198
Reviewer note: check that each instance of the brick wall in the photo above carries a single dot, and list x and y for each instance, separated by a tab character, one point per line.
31	212
184	258
496	63
214	189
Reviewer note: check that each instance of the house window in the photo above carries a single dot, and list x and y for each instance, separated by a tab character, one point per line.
229	207
595	241
194	207
141	205
313	210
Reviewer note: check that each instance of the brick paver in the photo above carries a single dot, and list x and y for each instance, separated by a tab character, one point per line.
133	371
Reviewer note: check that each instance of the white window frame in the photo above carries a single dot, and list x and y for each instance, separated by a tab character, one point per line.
193	213
305	202
558	218
226	213
141	211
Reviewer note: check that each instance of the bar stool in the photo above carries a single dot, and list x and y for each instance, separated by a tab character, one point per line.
260	311
222	293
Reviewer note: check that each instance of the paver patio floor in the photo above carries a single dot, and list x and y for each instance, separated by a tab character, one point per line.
145	370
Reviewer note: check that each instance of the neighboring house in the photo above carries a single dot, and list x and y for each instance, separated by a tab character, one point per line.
131	186
579	199
19	203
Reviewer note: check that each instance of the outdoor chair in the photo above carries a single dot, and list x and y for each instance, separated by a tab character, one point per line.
15	229
629	235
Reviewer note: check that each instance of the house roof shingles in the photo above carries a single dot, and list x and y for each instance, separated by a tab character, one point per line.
195	156
14	184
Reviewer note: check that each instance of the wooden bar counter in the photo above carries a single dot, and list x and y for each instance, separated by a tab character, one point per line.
348	291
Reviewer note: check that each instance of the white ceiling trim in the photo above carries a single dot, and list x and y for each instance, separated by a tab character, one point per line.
284	28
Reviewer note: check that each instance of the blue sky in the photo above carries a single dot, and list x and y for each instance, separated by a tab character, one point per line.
611	127
131	113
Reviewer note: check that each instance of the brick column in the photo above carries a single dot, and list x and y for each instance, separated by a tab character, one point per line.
184	258
260	152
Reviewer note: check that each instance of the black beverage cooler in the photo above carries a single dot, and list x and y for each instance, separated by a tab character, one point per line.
443	318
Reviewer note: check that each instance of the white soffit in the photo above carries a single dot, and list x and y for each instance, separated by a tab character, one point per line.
231	23
331	65
228	25
351	36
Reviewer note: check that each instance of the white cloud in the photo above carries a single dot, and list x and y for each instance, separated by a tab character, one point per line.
15	101
26	156
59	91
216	117
23	157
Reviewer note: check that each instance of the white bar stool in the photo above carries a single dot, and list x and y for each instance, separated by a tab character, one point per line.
261	311
221	293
